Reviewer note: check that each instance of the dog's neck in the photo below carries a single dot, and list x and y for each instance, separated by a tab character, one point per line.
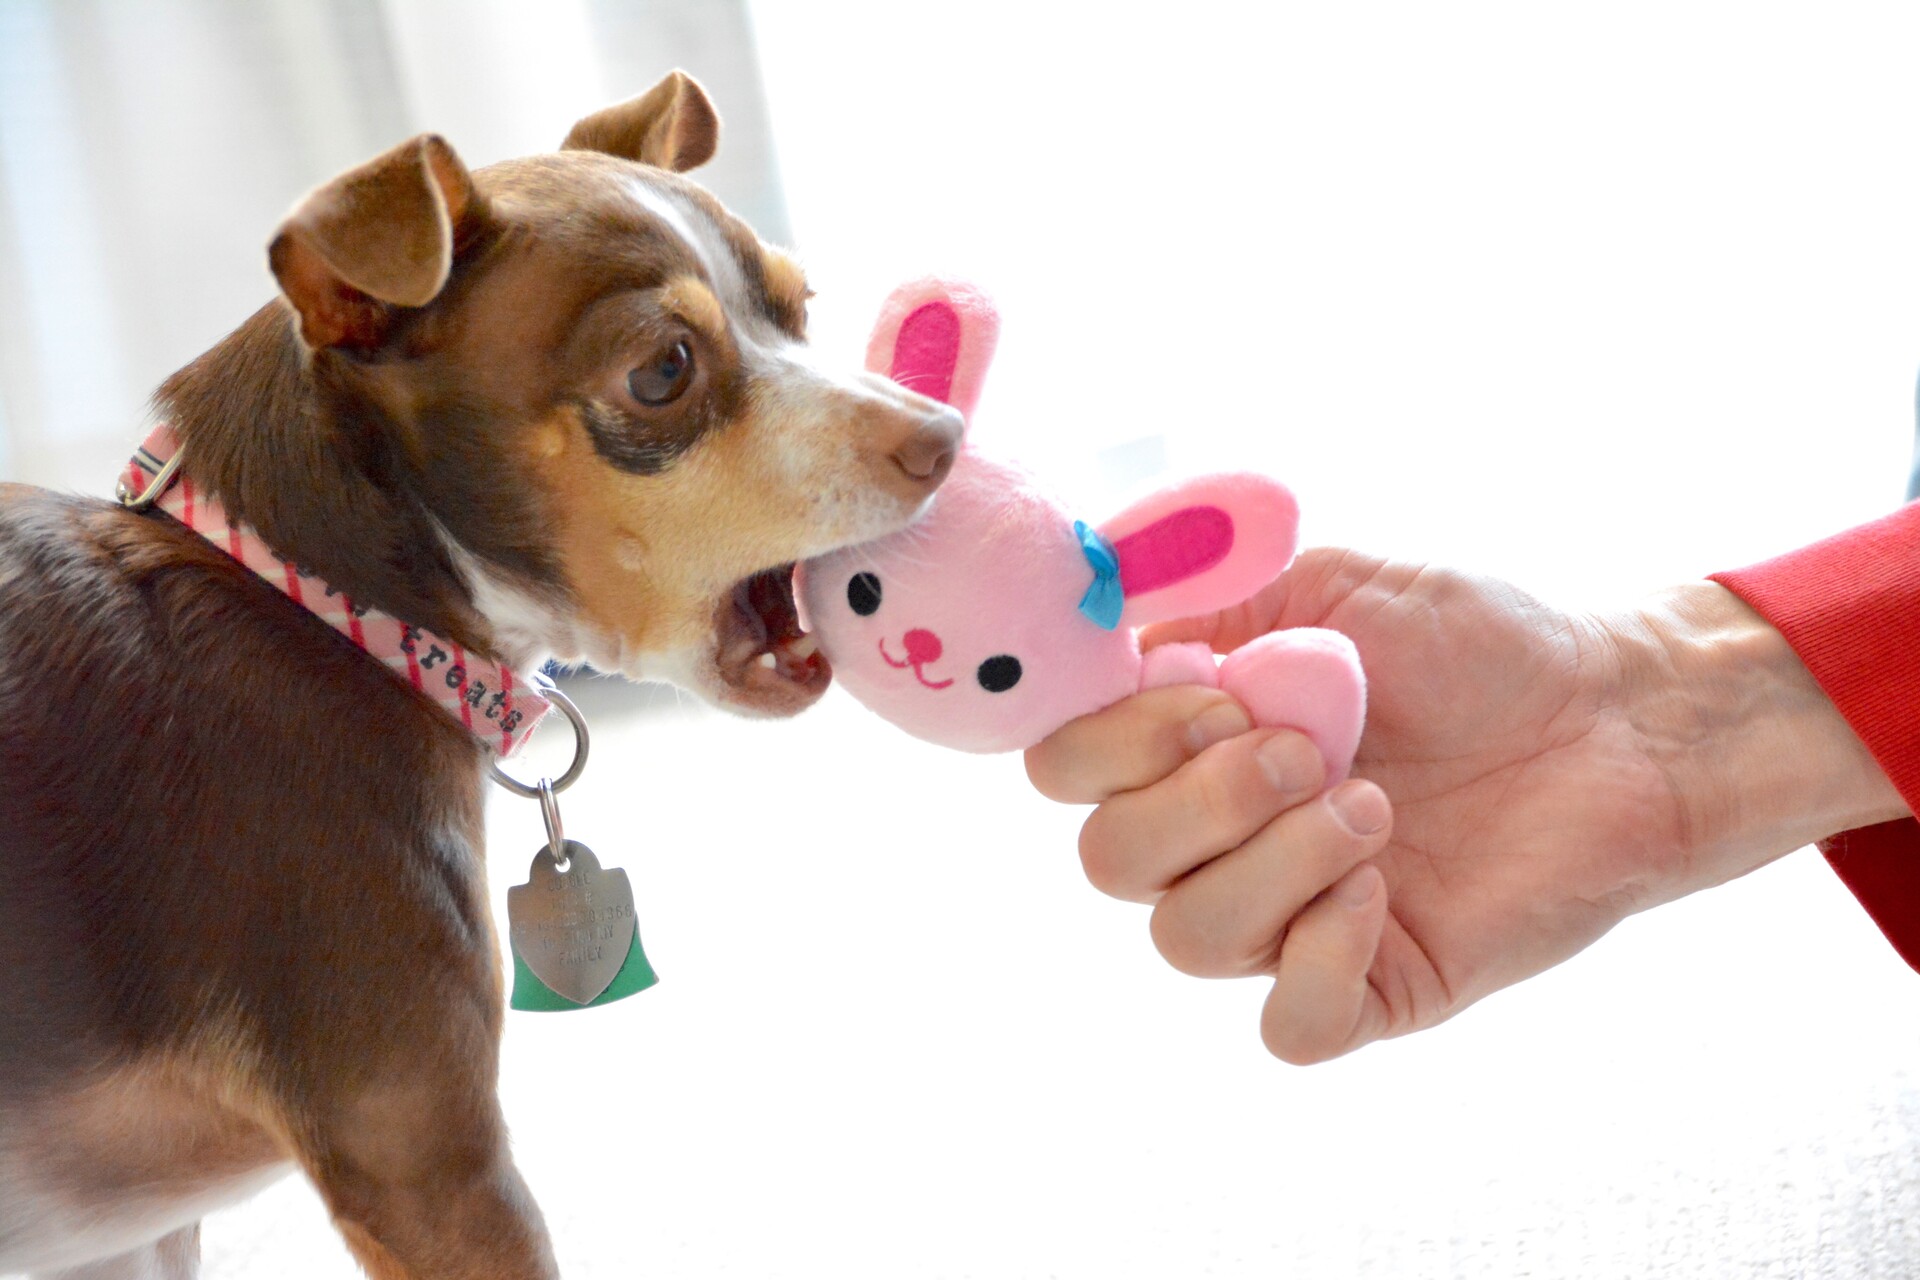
268	428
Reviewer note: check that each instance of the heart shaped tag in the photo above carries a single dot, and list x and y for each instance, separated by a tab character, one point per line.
572	928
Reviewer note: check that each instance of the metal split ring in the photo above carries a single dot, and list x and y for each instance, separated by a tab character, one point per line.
556	835
574	770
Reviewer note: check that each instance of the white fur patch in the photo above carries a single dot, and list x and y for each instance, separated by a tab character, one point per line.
526	630
52	1229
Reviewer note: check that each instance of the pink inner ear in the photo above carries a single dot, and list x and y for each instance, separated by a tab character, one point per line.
1174	548
927	351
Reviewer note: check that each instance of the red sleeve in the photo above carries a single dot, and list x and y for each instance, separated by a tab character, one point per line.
1850	607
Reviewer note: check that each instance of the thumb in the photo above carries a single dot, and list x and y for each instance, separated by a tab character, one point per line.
1305	595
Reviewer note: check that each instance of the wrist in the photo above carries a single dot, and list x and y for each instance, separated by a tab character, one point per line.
1759	759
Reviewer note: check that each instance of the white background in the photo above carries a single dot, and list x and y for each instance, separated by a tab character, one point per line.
1595	299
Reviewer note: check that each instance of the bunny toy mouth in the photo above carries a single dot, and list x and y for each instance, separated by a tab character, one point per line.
916	664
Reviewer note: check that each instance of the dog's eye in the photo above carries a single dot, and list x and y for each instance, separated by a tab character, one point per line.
863	594
999	674
664	379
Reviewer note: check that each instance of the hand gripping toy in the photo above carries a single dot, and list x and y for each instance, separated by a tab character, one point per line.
997	617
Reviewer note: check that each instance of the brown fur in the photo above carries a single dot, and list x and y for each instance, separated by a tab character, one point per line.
243	911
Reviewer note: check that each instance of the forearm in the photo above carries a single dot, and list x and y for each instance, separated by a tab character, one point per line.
1760	760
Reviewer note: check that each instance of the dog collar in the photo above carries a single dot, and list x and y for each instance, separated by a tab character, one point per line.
497	706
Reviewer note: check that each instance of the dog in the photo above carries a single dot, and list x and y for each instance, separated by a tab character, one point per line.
559	406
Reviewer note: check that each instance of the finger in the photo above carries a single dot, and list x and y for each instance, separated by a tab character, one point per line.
1226	919
1322	1005
1311	588
1139	842
1133	743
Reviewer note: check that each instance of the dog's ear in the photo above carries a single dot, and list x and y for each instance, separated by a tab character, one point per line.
671	126
376	238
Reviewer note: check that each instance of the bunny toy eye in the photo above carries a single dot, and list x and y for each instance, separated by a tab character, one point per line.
999	674
863	594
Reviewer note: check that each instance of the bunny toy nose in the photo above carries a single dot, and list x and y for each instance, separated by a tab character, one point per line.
922	647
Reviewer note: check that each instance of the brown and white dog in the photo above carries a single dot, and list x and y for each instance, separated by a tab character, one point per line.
560	405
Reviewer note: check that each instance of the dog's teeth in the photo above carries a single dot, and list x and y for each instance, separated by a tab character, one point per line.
768	661
802	648
741	652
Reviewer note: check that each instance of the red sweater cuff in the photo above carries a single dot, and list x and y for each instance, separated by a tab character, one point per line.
1881	865
1850	607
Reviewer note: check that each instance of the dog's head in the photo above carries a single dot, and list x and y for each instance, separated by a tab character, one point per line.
592	383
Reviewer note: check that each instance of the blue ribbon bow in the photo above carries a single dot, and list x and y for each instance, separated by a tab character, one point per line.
1105	598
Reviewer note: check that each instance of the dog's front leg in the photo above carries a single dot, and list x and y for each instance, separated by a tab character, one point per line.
420	1183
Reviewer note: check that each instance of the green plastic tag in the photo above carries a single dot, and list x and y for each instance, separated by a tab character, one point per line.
534	996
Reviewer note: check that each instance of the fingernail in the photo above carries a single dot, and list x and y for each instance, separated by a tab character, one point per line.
1356	888
1360	807
1217	723
1290	762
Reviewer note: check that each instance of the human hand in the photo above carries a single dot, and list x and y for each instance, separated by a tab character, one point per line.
1549	773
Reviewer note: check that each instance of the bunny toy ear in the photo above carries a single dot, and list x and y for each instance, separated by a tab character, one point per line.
1202	545
936	337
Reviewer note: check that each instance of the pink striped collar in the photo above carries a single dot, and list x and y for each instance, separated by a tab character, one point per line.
497	706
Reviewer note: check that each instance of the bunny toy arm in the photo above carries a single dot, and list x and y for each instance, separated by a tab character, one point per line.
1208	544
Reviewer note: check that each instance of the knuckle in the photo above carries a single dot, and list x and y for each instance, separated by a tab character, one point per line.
1185	944
1164	716
1215	796
1103	854
1131	744
1294	764
1292	1042
1047	771
1328	850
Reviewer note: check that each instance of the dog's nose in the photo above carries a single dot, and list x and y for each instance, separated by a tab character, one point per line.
922	647
928	453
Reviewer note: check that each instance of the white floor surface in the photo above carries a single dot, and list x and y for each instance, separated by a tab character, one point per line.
898	1036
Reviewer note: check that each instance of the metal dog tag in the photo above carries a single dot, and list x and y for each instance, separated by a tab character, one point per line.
572	928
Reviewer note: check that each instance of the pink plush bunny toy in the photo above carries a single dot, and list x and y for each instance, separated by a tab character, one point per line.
997	617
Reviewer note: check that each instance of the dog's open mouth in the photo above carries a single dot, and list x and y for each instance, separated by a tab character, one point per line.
767	663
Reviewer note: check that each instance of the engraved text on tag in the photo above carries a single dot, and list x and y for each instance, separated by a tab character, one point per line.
572	927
